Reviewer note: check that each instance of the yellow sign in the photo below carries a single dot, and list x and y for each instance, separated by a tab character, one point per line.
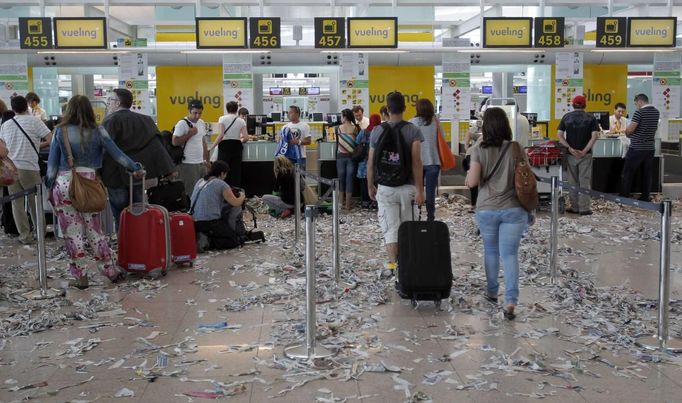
507	32
80	33
372	32
385	79
652	31
176	86
215	33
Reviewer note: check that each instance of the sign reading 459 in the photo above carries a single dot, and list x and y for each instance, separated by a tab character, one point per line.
35	33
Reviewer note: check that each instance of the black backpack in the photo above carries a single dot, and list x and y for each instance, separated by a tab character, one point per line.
169	194
177	153
392	158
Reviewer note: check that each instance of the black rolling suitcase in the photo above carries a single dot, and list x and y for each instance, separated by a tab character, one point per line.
424	261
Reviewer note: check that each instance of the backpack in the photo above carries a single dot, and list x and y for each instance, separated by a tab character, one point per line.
177	153
392	158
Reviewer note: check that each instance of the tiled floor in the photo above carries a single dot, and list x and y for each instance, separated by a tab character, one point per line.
389	352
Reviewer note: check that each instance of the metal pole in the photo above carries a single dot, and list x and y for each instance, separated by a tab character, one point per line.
662	340
44	292
554	230
336	261
309	350
297	209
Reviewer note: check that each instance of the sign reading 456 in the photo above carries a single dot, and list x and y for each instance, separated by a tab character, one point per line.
35	33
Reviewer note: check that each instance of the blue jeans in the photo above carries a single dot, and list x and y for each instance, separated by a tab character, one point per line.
119	199
501	232
345	171
431	173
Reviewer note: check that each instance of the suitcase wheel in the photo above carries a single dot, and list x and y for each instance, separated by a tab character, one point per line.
414	303
437	302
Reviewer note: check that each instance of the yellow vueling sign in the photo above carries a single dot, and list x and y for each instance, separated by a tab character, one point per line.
507	32
652	31
386	79
215	33
176	86
80	33
373	32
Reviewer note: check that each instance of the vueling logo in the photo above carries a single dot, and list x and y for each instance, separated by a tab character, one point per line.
214	101
603	98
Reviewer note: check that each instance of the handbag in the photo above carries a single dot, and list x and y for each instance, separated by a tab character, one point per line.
447	159
42	165
8	172
86	195
525	184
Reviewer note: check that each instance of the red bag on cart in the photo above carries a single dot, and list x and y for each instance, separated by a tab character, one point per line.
543	154
183	238
144	237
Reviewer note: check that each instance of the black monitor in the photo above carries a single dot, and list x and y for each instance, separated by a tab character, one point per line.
532	118
333	119
256	122
276	116
318	117
602	119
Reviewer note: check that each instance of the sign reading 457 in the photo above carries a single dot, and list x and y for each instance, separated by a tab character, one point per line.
35	33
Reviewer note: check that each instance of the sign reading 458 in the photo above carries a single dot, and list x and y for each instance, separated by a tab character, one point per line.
35	33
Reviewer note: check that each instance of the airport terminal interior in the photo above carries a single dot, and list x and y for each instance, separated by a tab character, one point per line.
307	307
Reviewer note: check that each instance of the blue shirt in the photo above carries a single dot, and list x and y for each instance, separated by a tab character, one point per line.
209	203
88	155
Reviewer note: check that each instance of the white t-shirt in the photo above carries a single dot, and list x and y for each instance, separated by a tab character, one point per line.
194	147
522	130
364	122
300	130
235	130
623	123
20	150
39	113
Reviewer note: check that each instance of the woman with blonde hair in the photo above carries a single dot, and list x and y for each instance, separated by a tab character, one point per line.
285	187
88	143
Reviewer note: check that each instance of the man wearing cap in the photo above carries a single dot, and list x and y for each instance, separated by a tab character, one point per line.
578	130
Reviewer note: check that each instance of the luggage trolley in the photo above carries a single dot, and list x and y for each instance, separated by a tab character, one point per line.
547	160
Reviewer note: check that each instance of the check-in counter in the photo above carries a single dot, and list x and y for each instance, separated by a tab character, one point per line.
257	163
607	166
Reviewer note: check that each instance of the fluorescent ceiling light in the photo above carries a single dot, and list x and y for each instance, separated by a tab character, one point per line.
506	50
365	51
223	51
636	50
81	52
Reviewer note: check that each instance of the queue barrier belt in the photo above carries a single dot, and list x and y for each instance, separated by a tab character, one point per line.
657	207
17	195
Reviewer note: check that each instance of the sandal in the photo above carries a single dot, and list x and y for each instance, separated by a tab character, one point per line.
81	283
509	312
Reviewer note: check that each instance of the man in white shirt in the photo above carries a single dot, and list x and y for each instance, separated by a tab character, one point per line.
617	121
360	119
522	129
300	132
34	105
230	143
189	132
22	149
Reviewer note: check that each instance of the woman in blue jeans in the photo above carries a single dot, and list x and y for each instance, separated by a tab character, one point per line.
430	128
346	134
499	214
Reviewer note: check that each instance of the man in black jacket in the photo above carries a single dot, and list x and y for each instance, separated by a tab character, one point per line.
137	136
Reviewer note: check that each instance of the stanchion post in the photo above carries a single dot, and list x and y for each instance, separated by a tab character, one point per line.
662	340
44	292
336	260
554	230
309	350
297	207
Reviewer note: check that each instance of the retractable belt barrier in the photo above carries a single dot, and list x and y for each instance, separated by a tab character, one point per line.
43	292
662	340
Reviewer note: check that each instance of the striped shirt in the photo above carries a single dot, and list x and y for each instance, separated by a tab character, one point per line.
644	136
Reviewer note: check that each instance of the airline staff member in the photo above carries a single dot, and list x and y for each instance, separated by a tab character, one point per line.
617	121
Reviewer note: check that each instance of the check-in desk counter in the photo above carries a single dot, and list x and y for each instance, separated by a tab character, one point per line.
257	163
607	166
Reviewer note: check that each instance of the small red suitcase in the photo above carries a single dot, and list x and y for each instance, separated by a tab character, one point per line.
183	238
144	237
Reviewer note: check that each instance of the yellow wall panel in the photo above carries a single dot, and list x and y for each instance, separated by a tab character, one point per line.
414	82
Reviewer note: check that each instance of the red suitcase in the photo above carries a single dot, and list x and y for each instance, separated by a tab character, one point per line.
144	237
183	238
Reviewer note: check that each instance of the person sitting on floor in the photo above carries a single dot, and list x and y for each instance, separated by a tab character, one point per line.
215	221
285	183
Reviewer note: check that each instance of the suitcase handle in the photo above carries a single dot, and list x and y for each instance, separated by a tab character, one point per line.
143	205
419	210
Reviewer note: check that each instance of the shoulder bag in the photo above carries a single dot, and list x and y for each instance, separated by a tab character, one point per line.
87	195
525	184
447	159
8	172
42	165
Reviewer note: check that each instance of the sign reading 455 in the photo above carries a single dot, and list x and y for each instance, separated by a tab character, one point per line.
35	33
